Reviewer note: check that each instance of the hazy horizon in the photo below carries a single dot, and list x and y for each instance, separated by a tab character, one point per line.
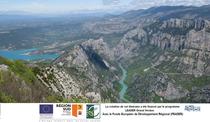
63	6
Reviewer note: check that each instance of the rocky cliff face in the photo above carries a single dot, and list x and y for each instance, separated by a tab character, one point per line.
190	37
184	53
86	70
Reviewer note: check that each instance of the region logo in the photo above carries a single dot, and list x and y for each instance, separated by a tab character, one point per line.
66	109
46	109
77	109
93	111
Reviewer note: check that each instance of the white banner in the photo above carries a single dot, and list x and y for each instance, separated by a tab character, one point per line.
72	112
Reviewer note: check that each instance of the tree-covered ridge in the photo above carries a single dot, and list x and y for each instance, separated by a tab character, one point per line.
18	83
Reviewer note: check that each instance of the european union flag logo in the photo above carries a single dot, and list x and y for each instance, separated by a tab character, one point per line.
46	109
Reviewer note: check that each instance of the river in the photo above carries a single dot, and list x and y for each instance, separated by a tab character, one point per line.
123	84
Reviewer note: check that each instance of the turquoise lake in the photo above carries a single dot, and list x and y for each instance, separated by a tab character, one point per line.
21	55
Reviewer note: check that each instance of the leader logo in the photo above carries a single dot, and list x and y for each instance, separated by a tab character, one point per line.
77	109
93	111
46	109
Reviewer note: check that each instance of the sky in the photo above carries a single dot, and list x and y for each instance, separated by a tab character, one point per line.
47	6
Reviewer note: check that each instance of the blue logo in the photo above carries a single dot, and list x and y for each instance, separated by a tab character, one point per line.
46	109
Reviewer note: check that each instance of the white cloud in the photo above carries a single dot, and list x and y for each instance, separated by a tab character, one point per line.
150	3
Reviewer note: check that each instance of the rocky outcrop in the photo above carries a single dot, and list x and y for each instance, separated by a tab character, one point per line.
172	92
3	67
185	47
79	72
59	81
101	47
187	36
